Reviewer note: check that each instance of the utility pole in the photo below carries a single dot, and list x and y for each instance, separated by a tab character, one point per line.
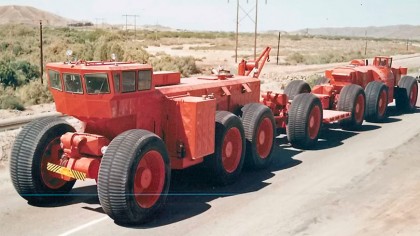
126	22
97	20
41	59
135	31
256	25
278	48
366	42
238	6
407	43
237	31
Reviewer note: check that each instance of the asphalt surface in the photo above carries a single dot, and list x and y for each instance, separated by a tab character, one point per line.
353	183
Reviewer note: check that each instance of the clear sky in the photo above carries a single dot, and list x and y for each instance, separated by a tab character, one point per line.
219	15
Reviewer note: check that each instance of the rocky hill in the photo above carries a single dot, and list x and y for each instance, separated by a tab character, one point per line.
29	15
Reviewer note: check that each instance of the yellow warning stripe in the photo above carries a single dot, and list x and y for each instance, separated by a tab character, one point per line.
66	171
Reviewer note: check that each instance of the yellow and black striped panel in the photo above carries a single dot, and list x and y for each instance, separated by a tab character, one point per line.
66	171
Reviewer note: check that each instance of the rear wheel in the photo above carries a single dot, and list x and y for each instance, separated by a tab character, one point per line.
406	94
296	87
35	146
305	119
227	161
376	101
352	99
134	177
259	125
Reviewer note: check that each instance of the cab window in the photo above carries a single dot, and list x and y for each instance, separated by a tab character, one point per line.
55	81
116	77
145	79
72	83
97	83
128	81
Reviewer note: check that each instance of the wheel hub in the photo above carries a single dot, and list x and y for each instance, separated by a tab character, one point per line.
312	122
229	149
261	137
146	178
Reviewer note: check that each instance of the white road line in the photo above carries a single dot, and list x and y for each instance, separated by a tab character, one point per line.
84	226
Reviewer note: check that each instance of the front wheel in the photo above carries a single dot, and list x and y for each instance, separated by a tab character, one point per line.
35	146
134	177
305	119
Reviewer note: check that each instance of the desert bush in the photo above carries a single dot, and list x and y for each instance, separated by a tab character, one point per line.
8	76
29	71
4	46
177	48
185	65
34	93
312	79
136	54
8	100
11	102
295	37
295	58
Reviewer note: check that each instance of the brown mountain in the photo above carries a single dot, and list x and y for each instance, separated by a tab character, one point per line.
30	15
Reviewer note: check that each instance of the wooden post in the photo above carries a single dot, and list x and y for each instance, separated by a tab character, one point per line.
41	59
256	25
278	48
237	31
366	42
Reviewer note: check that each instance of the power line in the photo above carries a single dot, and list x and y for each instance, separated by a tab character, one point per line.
255	21
99	19
135	23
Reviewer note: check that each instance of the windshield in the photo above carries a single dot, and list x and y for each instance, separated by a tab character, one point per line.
55	81
72	83
97	83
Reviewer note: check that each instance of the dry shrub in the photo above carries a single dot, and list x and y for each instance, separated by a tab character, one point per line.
136	53
295	58
8	100
34	93
185	65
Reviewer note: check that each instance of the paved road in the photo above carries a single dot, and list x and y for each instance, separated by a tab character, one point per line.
354	183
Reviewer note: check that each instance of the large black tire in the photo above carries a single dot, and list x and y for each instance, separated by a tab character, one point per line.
352	99
134	177
260	134
296	87
376	101
406	94
321	81
229	153
31	152
305	119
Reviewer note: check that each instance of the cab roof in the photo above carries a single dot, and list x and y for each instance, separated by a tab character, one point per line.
99	65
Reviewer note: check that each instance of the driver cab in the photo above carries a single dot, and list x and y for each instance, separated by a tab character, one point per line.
382	62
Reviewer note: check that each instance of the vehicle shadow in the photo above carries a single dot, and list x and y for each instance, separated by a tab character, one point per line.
192	189
85	194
